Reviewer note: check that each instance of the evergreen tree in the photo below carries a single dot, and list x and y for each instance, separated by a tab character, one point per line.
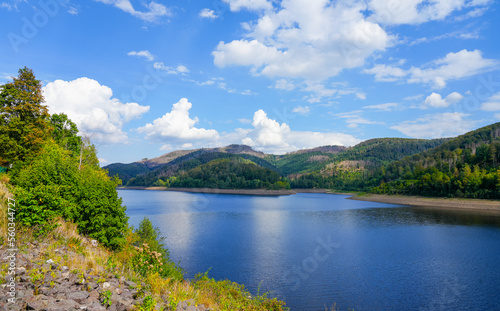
23	118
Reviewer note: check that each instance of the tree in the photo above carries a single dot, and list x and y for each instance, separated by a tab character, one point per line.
65	133
23	118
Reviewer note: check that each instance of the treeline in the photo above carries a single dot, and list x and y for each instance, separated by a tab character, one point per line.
235	173
466	166
163	175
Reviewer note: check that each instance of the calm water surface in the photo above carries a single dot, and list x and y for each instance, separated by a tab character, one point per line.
314	250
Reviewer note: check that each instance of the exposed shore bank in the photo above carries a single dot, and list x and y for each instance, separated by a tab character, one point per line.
442	203
217	191
446	203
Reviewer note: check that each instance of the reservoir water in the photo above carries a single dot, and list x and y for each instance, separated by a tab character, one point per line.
317	250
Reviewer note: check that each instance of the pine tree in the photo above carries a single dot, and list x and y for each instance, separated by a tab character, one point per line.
24	122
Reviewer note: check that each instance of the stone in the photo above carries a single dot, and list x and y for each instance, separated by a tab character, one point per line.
66	304
106	285
94	294
78	296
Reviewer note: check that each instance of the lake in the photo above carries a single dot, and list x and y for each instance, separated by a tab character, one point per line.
317	250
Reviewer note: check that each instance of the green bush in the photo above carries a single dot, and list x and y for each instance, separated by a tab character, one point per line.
53	185
152	254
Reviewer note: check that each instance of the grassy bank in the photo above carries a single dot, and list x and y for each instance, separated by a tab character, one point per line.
102	264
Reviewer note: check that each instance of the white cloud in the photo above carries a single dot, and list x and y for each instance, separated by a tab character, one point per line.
270	136
244	121
383	107
207	13
154	10
252	5
303	110
177	126
171	70
493	103
435	100
92	107
313	40
439	125
146	54
386	73
354	118
360	95
417	11
452	67
283	84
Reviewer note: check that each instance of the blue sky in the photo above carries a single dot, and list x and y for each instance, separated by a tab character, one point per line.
142	78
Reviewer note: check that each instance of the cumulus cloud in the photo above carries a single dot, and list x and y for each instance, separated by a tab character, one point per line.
92	107
270	136
176	126
451	67
177	129
207	13
416	12
313	40
493	103
439	125
154	10
435	100
146	54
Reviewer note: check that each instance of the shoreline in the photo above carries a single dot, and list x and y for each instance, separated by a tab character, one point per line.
441	203
482	205
263	192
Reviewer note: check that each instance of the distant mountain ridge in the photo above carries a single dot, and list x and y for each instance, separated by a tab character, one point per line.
157	171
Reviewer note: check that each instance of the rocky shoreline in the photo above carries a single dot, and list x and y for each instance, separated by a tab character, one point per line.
490	206
43	284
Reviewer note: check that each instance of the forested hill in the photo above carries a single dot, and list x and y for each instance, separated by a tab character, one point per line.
182	168
466	166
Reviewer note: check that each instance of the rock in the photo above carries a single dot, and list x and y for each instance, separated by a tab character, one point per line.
94	294
66	304
21	271
130	284
106	285
78	296
37	302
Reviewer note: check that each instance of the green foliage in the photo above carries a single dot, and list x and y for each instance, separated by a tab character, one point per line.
127	171
152	255
466	166
23	118
52	186
65	133
233	296
100	213
230	174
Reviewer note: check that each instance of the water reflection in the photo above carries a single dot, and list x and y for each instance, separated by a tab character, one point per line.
389	257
